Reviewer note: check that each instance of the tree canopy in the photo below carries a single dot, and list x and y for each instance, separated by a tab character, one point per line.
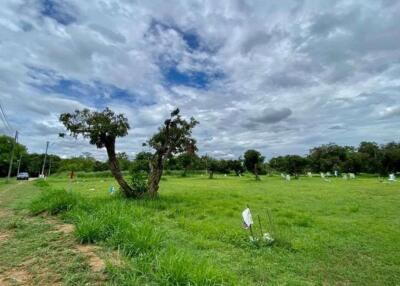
253	161
174	137
102	129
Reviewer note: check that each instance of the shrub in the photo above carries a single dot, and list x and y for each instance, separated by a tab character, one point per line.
139	182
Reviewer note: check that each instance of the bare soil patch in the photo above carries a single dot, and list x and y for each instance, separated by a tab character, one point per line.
95	262
15	276
65	228
4	237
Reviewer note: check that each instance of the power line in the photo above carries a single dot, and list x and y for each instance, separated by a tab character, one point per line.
5	119
5	124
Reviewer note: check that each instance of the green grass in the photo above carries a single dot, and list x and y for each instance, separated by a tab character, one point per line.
338	232
30	245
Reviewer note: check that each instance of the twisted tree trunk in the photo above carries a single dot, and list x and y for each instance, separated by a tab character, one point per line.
156	171
116	171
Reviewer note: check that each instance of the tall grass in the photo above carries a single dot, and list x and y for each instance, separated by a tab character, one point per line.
117	225
175	267
170	267
127	226
54	201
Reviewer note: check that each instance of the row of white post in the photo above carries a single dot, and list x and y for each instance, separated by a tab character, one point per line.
345	176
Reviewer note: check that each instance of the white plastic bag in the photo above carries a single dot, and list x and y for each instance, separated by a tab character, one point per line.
247	218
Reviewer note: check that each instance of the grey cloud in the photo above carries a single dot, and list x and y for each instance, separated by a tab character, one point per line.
330	21
39	128
390	112
259	38
286	80
108	34
271	115
336	127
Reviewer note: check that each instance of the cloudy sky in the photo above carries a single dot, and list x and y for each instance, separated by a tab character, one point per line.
278	76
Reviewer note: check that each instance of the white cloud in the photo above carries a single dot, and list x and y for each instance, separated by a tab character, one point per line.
281	77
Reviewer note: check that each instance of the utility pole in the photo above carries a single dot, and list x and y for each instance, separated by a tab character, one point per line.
206	164
19	163
12	155
49	167
45	157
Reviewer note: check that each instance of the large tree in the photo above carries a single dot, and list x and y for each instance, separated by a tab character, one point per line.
185	162
102	129
141	162
253	161
6	147
291	164
390	158
236	166
174	137
212	167
371	157
328	158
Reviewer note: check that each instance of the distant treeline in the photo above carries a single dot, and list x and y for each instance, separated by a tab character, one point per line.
368	157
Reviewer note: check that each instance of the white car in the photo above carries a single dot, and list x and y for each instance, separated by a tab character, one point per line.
23	176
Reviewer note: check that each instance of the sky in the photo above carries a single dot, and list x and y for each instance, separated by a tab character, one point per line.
277	76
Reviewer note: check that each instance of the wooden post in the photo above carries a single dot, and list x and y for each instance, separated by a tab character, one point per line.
12	156
45	157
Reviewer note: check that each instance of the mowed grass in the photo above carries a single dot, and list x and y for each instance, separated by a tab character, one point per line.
338	232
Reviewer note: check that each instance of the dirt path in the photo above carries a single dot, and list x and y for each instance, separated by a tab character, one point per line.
42	250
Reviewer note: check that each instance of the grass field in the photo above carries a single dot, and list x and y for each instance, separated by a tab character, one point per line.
327	233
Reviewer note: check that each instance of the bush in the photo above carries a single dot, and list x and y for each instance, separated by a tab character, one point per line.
54	202
139	181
